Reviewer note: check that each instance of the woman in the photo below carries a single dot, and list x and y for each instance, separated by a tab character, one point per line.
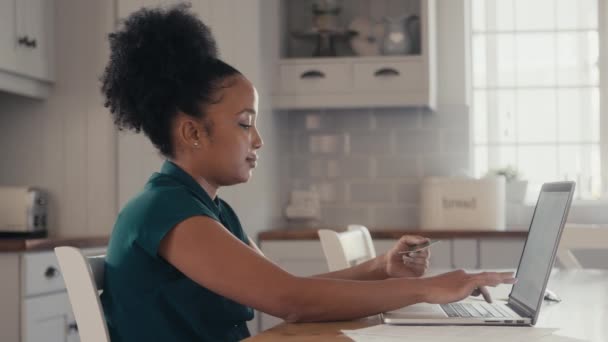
179	265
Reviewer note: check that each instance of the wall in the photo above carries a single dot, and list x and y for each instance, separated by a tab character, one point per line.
66	144
367	163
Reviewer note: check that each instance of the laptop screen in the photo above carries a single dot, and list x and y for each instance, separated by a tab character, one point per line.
538	254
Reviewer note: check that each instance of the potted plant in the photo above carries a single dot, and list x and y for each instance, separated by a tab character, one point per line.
516	187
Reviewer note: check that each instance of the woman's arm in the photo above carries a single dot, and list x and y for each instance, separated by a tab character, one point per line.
208	254
383	266
389	265
254	246
374	269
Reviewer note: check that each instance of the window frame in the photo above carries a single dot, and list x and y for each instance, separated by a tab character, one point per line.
602	29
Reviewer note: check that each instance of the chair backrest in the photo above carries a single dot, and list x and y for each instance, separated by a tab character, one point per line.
83	278
580	237
344	249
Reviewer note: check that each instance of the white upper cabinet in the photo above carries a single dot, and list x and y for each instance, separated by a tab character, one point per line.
8	52
362	53
35	41
27	46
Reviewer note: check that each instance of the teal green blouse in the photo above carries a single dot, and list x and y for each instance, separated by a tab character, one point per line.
147	299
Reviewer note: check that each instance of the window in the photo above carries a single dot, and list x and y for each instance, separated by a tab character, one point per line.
536	90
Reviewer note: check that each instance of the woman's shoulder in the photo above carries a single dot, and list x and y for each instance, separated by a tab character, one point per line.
160	196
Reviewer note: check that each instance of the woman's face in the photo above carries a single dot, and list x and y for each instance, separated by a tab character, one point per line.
228	150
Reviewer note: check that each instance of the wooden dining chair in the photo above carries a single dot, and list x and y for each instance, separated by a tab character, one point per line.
83	278
580	237
348	248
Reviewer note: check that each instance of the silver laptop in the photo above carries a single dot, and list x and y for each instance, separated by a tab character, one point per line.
533	272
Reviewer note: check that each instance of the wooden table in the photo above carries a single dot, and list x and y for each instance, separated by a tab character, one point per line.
583	313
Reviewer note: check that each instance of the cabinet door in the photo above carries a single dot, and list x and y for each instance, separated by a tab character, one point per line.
465	254
500	254
35	58
8	42
302	258
48	319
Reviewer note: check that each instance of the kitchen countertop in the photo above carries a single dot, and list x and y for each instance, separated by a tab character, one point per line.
395	233
27	245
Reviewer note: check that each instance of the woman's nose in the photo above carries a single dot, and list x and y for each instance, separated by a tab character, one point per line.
257	140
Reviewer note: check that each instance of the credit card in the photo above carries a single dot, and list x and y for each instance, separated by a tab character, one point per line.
419	247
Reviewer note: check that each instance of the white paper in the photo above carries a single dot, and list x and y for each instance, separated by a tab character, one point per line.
558	338
452	333
378	338
373	338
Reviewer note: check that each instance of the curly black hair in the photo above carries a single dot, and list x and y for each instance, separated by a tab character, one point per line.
162	60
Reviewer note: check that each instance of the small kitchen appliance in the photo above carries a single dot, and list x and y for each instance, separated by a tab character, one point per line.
23	212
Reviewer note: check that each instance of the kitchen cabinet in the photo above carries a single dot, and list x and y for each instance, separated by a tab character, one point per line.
348	80
35	304
301	258
49	318
500	254
27	47
35	40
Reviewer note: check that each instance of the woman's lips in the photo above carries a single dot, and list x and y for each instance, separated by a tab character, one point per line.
252	160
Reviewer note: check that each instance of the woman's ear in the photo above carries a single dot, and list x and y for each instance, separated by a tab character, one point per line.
189	132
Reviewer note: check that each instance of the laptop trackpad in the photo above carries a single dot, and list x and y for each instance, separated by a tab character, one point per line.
421	310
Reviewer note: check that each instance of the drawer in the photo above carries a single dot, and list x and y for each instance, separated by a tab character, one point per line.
315	78
391	77
40	274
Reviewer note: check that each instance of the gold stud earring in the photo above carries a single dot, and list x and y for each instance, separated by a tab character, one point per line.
196	144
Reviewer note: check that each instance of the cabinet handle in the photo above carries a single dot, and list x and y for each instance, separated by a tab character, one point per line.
23	40
386	72
312	74
50	272
73	327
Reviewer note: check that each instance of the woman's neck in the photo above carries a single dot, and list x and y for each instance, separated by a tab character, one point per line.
210	188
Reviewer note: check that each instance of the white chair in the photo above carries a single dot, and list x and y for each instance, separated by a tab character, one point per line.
345	249
83	278
580	237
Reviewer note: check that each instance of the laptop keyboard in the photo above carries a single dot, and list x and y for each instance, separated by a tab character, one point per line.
474	310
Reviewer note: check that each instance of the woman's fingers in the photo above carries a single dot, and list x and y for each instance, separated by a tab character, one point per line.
414	260
491	279
485	293
494	278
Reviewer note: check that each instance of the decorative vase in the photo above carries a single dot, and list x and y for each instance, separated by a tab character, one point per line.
396	40
413	29
367	36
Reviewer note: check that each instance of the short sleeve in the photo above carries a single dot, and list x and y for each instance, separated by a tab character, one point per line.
161	211
233	222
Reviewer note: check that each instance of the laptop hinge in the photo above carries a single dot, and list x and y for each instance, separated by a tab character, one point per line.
519	308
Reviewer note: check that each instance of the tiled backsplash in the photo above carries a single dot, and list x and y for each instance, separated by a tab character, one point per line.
367	164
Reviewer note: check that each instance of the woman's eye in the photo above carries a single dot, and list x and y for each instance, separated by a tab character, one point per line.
245	126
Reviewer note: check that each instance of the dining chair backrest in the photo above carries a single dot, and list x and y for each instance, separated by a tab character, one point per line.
83	278
345	249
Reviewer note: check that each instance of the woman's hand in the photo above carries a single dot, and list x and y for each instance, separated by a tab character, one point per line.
413	264
457	285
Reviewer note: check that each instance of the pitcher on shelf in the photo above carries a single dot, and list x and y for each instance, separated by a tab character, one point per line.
396	41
